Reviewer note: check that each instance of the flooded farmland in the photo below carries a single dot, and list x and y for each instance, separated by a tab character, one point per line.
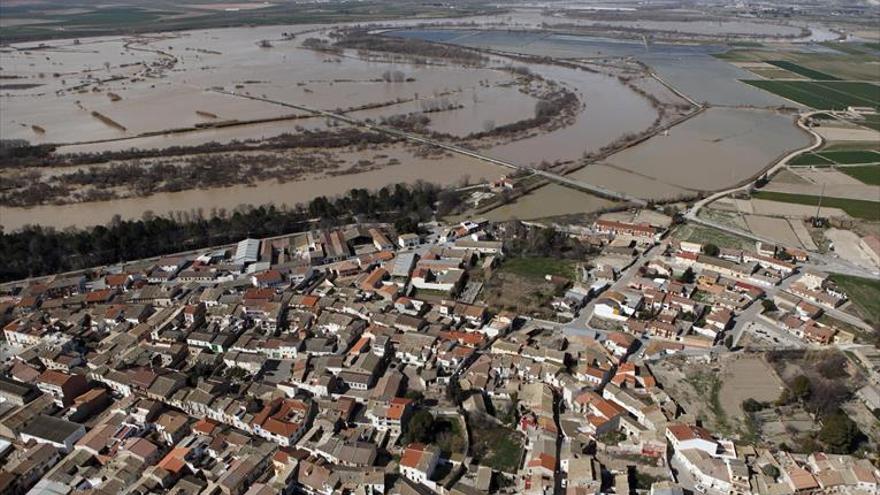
155	92
446	170
690	68
719	146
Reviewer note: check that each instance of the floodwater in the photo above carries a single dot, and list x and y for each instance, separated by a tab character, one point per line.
154	99
446	170
689	68
719	147
290	74
548	201
611	110
724	140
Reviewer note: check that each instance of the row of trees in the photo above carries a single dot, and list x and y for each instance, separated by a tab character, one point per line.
20	154
36	250
361	39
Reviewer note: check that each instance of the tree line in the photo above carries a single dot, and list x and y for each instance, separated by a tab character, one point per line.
36	250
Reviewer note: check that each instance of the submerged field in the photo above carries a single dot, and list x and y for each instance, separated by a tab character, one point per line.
188	97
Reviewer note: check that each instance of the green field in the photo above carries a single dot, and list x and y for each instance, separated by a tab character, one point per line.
537	267
851	156
498	447
706	235
868	210
869	174
80	18
871	121
810	159
864	293
824	95
848	48
851	145
804	71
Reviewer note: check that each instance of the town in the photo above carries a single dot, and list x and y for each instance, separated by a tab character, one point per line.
451	359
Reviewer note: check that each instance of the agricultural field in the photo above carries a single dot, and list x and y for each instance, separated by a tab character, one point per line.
695	233
27	21
863	294
804	71
838	157
871	122
868	210
845	66
867	174
824	95
849	157
810	159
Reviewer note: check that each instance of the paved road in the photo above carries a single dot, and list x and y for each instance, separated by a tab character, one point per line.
560	179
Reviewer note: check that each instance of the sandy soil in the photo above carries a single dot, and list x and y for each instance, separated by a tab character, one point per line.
846	244
748	377
827	176
774	208
847	133
777	229
787	176
803	234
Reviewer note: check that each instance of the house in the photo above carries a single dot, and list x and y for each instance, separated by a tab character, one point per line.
17	393
408	240
642	232
62	386
442	279
390	416
268	278
686	437
419	462
59	433
620	344
172	426
615	305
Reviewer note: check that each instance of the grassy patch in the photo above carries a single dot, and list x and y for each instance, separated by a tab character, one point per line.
704	235
746	44
864	293
823	95
538	267
852	156
800	69
868	174
431	294
871	121
856	208
809	159
831	321
708	385
851	145
497	447
848	48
